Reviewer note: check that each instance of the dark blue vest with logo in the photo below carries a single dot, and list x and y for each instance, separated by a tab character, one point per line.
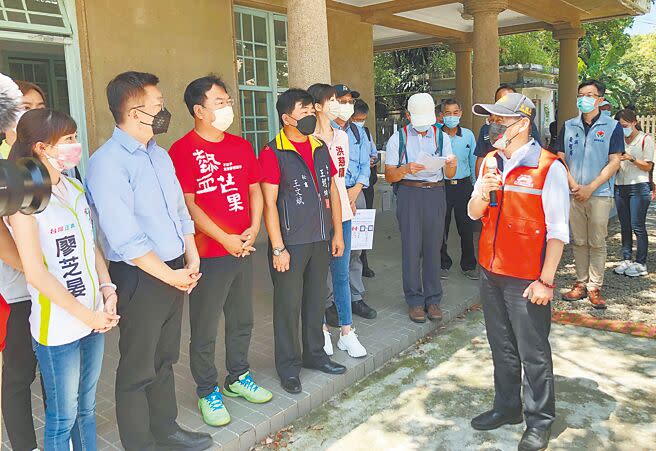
305	212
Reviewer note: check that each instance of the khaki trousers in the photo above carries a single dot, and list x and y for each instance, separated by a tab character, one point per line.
589	227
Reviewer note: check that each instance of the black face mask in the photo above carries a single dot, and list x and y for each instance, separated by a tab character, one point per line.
307	125
496	131
160	122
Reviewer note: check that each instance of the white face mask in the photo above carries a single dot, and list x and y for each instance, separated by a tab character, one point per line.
346	110
332	110
421	129
223	118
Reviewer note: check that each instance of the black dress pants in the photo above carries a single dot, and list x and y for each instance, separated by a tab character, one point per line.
18	373
151	318
457	198
227	285
518	333
298	295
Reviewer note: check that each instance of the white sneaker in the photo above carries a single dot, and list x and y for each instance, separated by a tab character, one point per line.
352	345
328	343
636	270
622	267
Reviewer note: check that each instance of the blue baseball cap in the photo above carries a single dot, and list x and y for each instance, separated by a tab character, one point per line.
341	90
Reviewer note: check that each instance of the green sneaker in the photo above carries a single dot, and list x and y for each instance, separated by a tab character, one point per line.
247	389
213	410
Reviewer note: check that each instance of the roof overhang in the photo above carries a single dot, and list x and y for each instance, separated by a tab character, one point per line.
402	24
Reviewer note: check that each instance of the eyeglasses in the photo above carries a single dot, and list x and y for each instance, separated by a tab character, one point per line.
346	102
587	95
222	103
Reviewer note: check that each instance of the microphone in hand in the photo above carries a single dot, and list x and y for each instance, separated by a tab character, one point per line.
491	165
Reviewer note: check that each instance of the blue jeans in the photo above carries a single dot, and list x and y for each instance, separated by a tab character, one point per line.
70	375
632	202
339	276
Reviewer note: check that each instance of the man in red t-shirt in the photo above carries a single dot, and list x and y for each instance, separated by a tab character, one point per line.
301	206
220	176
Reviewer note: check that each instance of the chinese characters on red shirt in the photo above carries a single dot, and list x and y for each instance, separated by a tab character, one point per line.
207	183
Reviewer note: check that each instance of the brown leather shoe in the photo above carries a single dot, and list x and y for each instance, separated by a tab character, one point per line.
578	292
434	312
596	300
417	314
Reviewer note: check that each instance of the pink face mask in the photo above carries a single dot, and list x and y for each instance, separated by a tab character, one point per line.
68	156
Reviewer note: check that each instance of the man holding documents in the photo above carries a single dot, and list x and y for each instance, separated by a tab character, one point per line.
418	157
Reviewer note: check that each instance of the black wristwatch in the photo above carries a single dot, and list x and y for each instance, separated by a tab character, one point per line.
277	251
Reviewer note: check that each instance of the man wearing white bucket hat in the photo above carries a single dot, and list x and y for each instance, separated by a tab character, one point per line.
421	203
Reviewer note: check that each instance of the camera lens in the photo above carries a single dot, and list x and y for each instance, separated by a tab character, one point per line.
25	186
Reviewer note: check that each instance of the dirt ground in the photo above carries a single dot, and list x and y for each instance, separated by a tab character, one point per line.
629	299
423	400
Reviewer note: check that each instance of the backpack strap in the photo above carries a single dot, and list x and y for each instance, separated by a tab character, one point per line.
356	132
439	139
366	130
403	139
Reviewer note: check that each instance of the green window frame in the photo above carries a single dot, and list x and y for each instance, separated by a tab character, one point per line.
41	16
23	66
261	48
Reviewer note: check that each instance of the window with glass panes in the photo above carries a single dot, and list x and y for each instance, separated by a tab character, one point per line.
34	15
48	72
262	71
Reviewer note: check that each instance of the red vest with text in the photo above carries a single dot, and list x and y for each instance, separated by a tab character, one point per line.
513	238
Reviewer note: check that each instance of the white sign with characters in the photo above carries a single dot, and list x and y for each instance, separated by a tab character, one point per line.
362	230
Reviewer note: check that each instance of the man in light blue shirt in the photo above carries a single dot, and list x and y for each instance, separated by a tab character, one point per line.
421	204
359	118
147	235
459	189
357	178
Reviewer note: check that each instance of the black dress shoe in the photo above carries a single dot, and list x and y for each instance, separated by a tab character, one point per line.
534	439
291	385
182	440
493	420
361	309
332	318
368	272
329	367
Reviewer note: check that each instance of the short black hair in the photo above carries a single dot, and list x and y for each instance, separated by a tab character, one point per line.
360	107
601	88
321	92
196	91
287	101
447	102
127	86
503	87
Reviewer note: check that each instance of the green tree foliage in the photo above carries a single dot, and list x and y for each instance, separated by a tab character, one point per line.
639	62
400	73
537	47
600	57
407	71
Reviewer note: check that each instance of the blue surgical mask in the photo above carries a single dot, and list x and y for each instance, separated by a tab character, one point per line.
627	131
359	124
605	113
586	104
451	121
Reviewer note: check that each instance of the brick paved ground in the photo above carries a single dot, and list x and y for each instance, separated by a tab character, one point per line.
389	334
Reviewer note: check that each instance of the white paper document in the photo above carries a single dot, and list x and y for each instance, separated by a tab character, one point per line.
362	229
433	163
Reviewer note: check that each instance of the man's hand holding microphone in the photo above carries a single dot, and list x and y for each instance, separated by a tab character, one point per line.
490	183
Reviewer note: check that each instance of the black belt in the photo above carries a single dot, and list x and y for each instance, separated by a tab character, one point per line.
458	181
420	184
